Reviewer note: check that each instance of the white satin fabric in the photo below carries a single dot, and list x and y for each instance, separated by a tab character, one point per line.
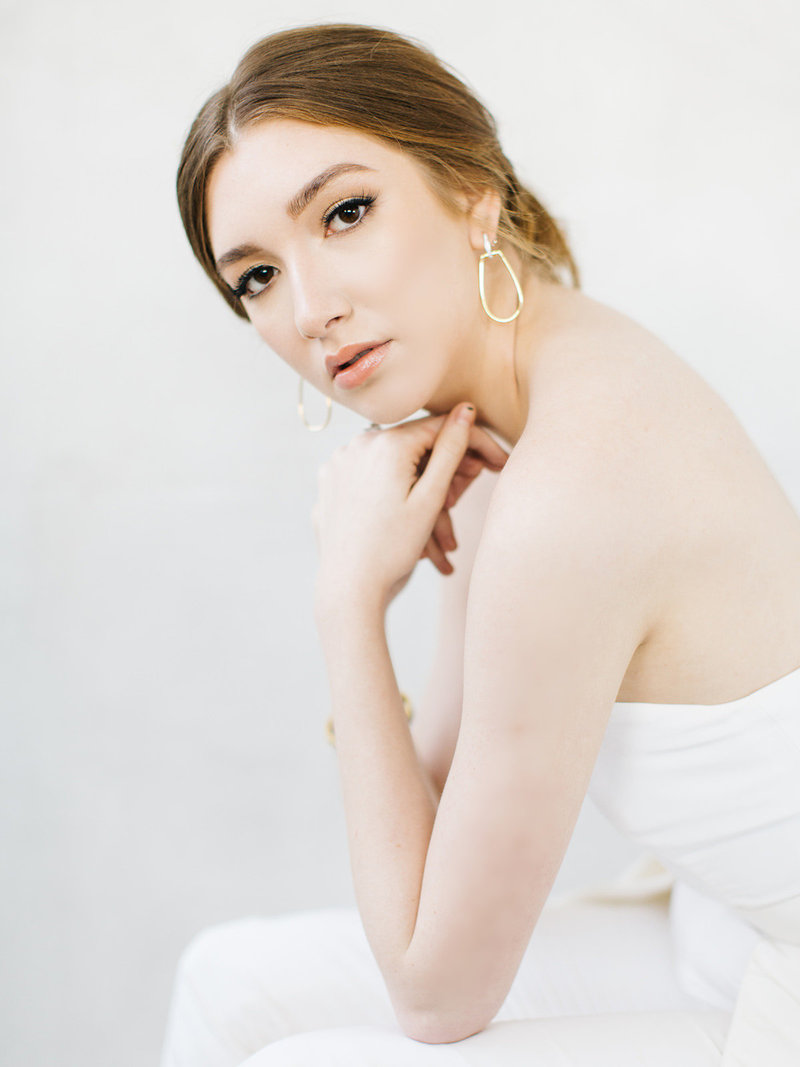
714	792
691	959
597	986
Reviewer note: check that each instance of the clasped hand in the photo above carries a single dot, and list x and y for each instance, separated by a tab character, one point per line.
384	499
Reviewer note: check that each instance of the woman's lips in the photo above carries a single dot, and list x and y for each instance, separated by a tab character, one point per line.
365	363
347	354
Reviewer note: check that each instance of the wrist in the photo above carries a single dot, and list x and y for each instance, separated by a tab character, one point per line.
336	605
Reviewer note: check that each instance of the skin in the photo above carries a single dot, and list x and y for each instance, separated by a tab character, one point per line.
633	547
350	283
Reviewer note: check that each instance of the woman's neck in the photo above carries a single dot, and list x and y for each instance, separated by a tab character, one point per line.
498	378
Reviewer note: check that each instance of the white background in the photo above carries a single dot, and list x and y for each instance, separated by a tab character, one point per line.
162	761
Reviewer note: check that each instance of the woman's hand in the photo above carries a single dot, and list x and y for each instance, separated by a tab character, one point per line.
384	503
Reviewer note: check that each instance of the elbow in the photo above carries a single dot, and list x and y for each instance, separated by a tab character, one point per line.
440	1005
440	1027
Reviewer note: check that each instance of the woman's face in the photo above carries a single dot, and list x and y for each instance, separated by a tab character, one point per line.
337	244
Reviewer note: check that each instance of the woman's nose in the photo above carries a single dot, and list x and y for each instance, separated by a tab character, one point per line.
318	303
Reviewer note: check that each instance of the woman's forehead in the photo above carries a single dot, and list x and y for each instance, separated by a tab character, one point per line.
288	150
274	165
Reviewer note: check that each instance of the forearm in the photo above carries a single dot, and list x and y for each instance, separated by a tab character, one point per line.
389	801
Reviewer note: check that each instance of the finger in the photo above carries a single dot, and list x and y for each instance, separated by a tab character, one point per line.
446	454
448	449
481	446
471	464
468	469
437	557
458	487
484	445
443	532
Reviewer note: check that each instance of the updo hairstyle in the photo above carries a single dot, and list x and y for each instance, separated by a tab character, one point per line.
381	84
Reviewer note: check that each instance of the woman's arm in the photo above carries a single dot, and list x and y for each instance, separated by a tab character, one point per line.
449	897
438	714
557	607
368	491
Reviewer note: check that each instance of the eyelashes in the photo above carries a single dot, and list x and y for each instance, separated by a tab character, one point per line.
354	203
350	212
243	289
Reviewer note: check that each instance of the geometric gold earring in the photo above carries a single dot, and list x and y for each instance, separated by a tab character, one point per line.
491	253
301	411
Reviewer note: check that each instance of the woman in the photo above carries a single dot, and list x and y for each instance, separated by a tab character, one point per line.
623	607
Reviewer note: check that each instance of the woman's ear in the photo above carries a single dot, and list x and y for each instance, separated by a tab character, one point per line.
483	217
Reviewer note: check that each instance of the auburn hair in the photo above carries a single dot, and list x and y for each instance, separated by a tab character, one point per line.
378	83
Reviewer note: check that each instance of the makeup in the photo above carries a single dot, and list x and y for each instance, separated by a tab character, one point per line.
357	373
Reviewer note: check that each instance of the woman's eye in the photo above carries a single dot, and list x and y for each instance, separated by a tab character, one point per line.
254	281
348	214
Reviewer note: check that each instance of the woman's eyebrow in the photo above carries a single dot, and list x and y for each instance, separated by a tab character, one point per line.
237	253
294	209
302	199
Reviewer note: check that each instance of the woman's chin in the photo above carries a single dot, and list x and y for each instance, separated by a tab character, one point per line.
387	412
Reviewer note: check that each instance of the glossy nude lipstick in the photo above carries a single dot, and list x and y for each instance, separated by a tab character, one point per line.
352	365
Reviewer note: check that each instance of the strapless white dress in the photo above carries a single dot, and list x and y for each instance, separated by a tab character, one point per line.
713	791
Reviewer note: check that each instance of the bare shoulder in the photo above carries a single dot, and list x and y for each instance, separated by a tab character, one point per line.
594	453
613	416
619	417
561	565
622	427
607	392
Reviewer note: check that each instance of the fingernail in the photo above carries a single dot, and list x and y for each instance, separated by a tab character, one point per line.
465	414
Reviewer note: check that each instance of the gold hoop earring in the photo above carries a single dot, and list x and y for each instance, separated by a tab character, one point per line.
302	412
490	253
